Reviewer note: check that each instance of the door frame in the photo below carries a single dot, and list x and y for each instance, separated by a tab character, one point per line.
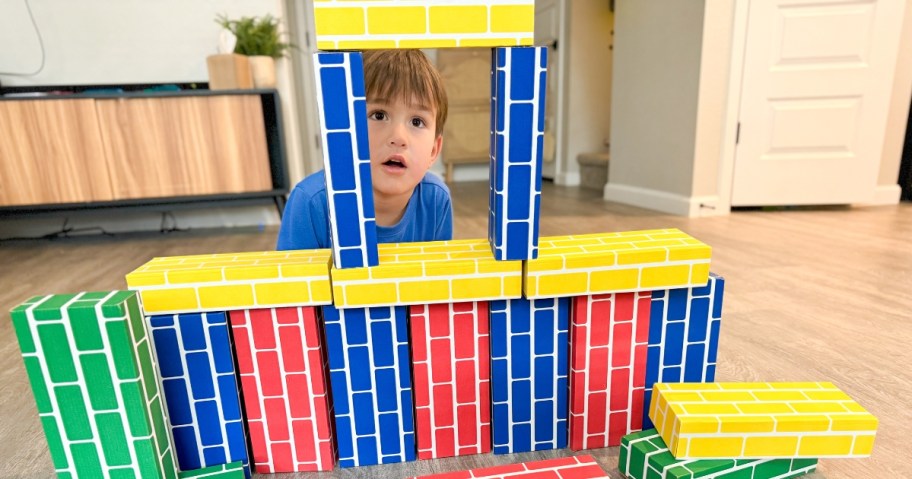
726	172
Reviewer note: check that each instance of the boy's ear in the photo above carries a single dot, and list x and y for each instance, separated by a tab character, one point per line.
435	152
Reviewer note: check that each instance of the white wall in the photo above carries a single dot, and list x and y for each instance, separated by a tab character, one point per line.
115	41
656	85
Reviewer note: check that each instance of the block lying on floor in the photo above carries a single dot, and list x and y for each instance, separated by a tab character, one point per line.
761	420
90	364
579	467
644	455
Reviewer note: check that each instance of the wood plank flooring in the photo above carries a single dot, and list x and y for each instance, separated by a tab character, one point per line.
811	294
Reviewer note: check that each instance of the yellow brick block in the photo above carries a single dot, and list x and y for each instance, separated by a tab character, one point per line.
339	21
827	395
708	408
436	291
436	43
684	396
468	288
396	271
252	272
493	266
137	279
780	395
740	386
185	276
326	45
699	274
450	268
771	446
321	291
766	408
729	396
688	387
490	42
614	280
304	270
575	261
226	296
512	287
665	276
350	274
396	20
818	407
513	18
864	445
282	293
459	19
745	424
166	300
562	284
684	253
364	45
816	446
802	423
698	425
544	263
368	294
713	447
642	256
804	386
853	422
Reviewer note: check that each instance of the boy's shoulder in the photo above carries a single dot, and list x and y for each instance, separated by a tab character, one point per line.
434	184
312	185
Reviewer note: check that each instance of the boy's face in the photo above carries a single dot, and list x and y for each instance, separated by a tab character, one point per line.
403	145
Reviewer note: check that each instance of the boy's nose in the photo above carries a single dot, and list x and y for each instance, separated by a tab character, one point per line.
397	136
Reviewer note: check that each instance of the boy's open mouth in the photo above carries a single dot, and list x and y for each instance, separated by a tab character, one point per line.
394	162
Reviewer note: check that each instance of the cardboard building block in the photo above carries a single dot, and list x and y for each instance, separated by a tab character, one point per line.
364	25
517	133
598	263
371	384
451	368
683	336
234	470
428	273
283	382
346	158
608	337
761	420
221	282
90	364
197	371
644	455
529	369
578	467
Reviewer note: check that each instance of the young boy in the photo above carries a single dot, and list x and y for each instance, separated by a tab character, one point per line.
406	111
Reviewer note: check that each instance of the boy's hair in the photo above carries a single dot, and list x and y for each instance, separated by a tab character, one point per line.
406	74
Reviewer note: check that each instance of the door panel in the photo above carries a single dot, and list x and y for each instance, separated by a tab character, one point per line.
814	100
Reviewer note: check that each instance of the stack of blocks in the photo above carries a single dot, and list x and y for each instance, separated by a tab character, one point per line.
511	344
746	430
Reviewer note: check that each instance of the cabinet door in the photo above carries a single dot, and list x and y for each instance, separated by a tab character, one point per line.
183	146
51	153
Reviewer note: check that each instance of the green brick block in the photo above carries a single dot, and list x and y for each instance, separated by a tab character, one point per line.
235	470
89	363
644	456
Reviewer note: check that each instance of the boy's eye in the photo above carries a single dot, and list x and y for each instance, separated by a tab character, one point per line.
417	122
377	115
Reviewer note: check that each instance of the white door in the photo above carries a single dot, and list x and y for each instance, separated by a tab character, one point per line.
816	85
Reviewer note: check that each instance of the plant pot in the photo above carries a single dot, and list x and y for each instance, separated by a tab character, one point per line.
229	71
264	71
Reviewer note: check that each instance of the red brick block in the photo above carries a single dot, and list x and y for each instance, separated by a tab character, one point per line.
450	355
283	381
579	467
609	334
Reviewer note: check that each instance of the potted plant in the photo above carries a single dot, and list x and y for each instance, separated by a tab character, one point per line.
257	39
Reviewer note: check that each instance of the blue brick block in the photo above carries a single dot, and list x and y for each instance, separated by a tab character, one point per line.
529	368
683	337
371	386
517	131
346	158
200	389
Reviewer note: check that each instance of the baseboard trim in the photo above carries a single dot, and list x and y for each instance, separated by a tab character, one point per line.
570	178
885	195
689	206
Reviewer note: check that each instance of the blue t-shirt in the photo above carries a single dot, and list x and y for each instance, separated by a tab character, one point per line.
305	222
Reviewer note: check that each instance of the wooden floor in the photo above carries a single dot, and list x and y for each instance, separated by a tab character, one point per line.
811	294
